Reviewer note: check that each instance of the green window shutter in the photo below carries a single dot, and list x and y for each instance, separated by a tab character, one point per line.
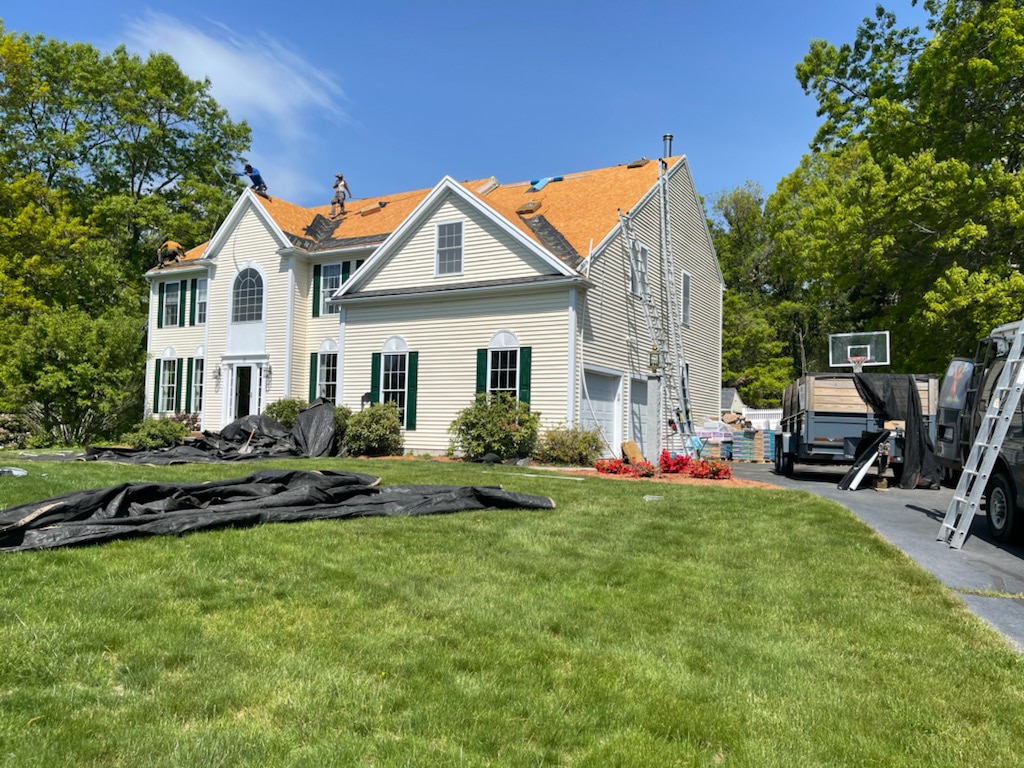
481	371
375	378
178	382
346	271
411	386
525	363
182	290
313	360
192	306
316	294
157	364
160	308
188	383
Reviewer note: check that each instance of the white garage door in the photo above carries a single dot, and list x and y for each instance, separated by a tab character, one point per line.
599	407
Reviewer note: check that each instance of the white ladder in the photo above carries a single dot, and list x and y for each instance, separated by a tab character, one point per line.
991	432
661	326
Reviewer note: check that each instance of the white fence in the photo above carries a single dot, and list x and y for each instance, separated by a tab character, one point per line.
766	419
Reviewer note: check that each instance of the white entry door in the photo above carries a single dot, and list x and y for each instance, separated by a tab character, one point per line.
600	407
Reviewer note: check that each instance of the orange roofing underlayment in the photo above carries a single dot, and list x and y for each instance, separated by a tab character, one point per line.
581	207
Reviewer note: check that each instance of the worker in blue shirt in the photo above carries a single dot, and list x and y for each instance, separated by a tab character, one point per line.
258	185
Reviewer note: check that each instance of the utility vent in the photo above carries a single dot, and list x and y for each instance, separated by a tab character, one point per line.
638	163
530	206
376	208
488	186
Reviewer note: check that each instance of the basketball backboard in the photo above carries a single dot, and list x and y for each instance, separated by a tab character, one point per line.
852	350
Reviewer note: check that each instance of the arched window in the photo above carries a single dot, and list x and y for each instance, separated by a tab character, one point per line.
327	370
247	297
503	364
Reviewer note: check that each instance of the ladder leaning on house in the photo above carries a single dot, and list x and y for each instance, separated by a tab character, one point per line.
664	327
991	432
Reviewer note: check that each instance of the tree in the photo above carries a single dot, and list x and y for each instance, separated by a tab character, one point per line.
915	175
77	378
753	354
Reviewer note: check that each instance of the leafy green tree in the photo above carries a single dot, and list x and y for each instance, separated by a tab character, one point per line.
754	360
76	378
915	176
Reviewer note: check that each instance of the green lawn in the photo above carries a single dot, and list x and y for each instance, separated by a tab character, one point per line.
717	626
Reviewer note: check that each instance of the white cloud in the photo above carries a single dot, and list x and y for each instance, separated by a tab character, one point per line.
280	93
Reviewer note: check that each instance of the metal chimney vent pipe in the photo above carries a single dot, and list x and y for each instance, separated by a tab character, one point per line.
667	138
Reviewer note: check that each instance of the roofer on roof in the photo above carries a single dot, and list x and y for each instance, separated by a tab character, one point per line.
341	190
169	251
258	185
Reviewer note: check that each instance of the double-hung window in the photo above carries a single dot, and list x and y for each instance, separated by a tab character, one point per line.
684	302
449	248
327	376
198	371
201	300
330	282
172	296
395	372
168	385
503	372
394	382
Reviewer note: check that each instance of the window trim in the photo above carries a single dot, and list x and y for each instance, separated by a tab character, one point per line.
202	300
437	248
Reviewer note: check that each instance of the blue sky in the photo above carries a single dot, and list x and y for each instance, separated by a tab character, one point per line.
397	94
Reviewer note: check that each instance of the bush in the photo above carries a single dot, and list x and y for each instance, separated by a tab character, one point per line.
622	467
156	433
569	445
376	431
682	463
285	412
497	424
342	416
14	431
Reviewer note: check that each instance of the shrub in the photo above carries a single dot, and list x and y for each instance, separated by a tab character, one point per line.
376	431
622	467
14	431
285	411
342	416
156	433
682	463
497	424
569	445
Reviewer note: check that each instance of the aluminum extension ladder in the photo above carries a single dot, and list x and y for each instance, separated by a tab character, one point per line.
991	432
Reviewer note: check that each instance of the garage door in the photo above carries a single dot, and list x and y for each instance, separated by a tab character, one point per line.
599	407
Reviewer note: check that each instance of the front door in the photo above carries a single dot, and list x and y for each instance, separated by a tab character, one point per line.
243	390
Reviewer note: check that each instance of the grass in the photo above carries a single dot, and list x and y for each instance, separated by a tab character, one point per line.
718	626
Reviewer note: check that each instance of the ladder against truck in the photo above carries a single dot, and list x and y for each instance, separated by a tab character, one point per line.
980	437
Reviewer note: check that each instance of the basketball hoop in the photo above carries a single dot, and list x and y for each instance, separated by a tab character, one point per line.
857	361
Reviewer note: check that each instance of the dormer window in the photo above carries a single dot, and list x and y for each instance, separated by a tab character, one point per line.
449	248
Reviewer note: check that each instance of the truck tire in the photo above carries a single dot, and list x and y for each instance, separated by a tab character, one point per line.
783	461
1001	508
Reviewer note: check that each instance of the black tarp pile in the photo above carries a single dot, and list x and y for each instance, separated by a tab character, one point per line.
895	397
138	509
247	438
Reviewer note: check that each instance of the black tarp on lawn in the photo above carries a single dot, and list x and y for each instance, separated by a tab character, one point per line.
135	510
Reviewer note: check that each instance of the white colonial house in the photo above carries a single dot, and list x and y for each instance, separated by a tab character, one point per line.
428	297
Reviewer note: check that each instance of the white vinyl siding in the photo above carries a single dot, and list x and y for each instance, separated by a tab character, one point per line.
488	253
447	334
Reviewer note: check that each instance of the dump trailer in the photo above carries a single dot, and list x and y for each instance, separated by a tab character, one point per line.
964	397
825	417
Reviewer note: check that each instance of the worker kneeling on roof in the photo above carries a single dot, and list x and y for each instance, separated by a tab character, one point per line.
169	251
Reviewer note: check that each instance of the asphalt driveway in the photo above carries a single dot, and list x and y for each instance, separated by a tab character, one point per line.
910	520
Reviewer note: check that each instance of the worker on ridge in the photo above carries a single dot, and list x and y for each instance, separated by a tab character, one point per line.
258	185
341	191
169	251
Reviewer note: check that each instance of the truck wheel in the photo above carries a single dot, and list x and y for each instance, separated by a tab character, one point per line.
778	458
1001	508
783	462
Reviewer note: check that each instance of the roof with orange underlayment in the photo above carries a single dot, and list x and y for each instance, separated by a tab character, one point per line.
568	214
